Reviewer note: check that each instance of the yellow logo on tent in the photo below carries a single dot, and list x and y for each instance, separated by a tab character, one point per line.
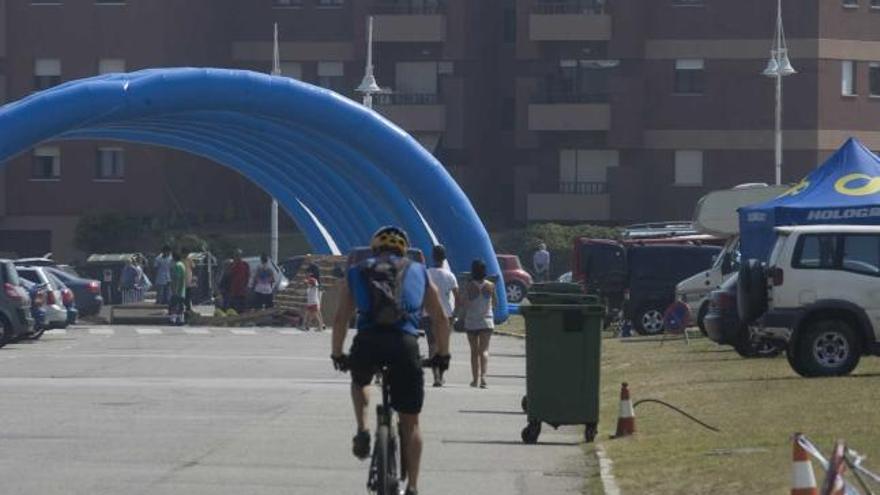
872	186
796	189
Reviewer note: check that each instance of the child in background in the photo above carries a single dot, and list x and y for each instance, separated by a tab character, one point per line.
313	305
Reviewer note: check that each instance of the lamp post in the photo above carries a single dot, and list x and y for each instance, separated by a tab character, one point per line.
368	86
778	67
273	212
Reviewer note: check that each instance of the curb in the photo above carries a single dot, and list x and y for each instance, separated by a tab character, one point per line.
509	334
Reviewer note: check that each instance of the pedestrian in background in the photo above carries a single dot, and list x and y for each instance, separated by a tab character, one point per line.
239	279
479	320
313	305
142	282
191	282
541	263
128	280
447	288
177	290
263	284
163	264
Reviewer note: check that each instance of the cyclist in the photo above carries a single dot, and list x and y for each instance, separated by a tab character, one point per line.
389	293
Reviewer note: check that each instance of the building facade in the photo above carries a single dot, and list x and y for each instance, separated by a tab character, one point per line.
602	111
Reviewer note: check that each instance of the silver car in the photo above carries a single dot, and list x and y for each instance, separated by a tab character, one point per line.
56	313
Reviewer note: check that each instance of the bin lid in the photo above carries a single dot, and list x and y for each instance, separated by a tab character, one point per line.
557	288
109	258
586	309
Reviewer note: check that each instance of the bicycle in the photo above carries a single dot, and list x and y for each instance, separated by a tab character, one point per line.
387	468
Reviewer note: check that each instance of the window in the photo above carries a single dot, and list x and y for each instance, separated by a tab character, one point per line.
848	78
415	78
875	4
110	164
585	171
815	251
581	81
111	66
331	75
330	4
861	254
874	79
287	4
292	70
689	77
46	164
850	4
47	73
689	168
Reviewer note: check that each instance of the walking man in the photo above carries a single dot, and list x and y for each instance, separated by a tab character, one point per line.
447	289
163	275
177	290
541	263
239	278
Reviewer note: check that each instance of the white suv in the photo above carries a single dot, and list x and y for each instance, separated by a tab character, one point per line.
820	292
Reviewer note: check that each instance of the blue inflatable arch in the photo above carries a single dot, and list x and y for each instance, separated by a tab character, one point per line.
338	169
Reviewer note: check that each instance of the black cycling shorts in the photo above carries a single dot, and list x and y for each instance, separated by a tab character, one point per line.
400	352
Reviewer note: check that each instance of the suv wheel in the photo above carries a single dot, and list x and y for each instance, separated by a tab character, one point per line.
649	321
825	348
516	291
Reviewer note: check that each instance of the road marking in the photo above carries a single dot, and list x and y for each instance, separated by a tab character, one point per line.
56	331
149	331
609	483
196	331
243	332
101	331
291	332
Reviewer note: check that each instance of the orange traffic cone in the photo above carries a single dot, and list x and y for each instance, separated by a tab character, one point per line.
834	484
803	481
626	419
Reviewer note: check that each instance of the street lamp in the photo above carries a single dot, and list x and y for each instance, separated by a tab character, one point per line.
368	86
779	66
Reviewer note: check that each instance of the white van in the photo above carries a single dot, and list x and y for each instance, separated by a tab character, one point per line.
716	214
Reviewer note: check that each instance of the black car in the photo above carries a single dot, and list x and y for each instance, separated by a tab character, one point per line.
653	271
15	305
724	327
87	292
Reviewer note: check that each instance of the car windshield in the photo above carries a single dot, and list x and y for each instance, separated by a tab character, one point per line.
30	274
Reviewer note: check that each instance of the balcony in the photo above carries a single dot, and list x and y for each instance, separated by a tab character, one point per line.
555	111
412	21
570	20
561	207
413	112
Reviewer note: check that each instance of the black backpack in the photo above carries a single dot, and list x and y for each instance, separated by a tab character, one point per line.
384	277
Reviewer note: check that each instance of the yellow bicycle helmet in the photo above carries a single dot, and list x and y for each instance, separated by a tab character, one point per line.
390	238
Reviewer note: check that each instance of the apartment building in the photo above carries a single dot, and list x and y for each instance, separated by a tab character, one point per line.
605	111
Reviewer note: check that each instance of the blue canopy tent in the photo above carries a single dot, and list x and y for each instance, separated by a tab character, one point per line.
844	190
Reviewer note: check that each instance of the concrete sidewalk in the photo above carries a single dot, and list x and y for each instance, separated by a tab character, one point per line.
174	413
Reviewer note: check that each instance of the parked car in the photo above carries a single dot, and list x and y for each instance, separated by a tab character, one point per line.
818	293
652	274
724	327
565	278
37	294
517	281
56	312
15	305
281	282
68	299
694	291
87	292
46	262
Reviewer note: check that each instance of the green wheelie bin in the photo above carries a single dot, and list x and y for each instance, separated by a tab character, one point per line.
557	288
563	350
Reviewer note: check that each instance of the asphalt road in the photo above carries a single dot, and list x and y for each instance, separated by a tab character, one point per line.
155	410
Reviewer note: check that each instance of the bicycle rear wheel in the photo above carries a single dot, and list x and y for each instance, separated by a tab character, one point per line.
386	462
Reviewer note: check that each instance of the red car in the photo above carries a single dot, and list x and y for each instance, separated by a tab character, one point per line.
516	279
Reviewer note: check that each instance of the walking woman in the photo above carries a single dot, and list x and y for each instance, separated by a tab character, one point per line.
479	320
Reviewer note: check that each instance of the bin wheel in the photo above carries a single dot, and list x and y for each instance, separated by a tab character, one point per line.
590	432
531	432
525	403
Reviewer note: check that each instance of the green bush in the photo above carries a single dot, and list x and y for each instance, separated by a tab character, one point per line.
558	238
